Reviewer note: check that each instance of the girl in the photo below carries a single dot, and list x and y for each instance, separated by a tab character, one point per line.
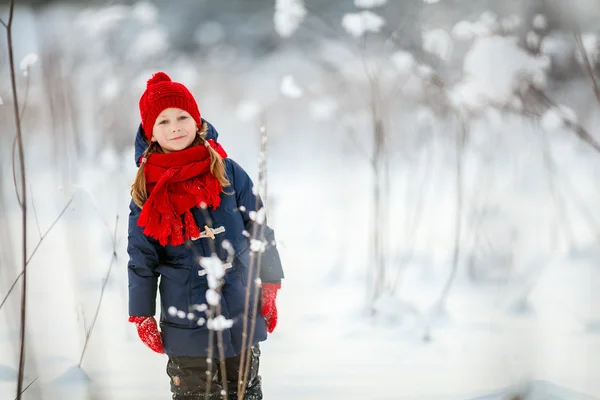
190	201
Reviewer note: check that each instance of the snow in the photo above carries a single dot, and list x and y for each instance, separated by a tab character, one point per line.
425	71
258	216
98	22
8	374
369	3
463	31
533	40
28	61
1	102
145	12
219	323
213	269
110	89
404	62
357	24
494	67
456	356
591	44
322	109
511	23
540	22
151	42
73	375
289	14
248	110
209	33
257	245
530	314
290	88
201	307
438	42
425	116
212	297
555	118
536	390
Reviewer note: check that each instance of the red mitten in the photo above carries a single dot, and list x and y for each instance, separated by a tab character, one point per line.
268	307
148	332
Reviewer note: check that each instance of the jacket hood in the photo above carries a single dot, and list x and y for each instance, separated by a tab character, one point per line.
141	144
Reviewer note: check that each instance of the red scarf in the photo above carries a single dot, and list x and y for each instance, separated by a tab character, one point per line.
177	182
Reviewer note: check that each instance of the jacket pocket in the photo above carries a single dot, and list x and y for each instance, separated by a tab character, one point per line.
241	264
198	304
175	296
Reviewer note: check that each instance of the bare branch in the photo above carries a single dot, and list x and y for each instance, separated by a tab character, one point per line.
49	229
14	171
104	283
588	64
460	142
255	261
3	23
11	58
579	130
34	251
26	94
30	383
37	221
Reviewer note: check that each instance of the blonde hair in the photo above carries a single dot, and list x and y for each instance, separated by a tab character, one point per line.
139	193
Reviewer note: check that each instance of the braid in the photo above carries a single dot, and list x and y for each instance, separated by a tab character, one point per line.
138	188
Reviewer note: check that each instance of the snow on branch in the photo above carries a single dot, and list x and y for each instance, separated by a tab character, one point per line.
357	24
289	14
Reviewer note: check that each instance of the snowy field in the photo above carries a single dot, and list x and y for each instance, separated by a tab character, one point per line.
325	346
522	312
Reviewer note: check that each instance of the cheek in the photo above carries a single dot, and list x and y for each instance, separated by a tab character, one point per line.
157	132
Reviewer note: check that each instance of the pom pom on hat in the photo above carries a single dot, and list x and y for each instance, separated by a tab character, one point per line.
158	77
162	93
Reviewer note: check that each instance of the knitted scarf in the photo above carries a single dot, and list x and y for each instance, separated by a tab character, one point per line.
177	182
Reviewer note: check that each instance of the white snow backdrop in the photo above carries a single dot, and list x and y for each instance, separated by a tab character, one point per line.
524	305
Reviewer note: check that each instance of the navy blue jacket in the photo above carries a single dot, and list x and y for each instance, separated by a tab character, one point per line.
173	270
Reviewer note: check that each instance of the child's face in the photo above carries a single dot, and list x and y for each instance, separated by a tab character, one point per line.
174	130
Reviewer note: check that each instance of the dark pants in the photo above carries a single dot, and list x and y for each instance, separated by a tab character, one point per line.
188	377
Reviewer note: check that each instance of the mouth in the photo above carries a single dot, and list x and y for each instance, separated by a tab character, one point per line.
177	138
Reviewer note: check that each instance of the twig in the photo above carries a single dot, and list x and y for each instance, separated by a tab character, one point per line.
459	209
93	202
14	171
550	165
588	65
37	221
26	94
49	229
30	383
579	130
209	356
34	251
112	260
245	356
11	58
214	312
413	225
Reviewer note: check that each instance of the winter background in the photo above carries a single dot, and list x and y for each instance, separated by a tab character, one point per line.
432	176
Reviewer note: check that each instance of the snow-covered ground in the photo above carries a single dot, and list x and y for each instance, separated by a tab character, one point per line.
325	346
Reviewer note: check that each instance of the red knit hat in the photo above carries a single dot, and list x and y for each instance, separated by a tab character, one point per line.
162	93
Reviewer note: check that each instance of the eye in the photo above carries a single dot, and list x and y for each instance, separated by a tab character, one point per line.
164	121
183	117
